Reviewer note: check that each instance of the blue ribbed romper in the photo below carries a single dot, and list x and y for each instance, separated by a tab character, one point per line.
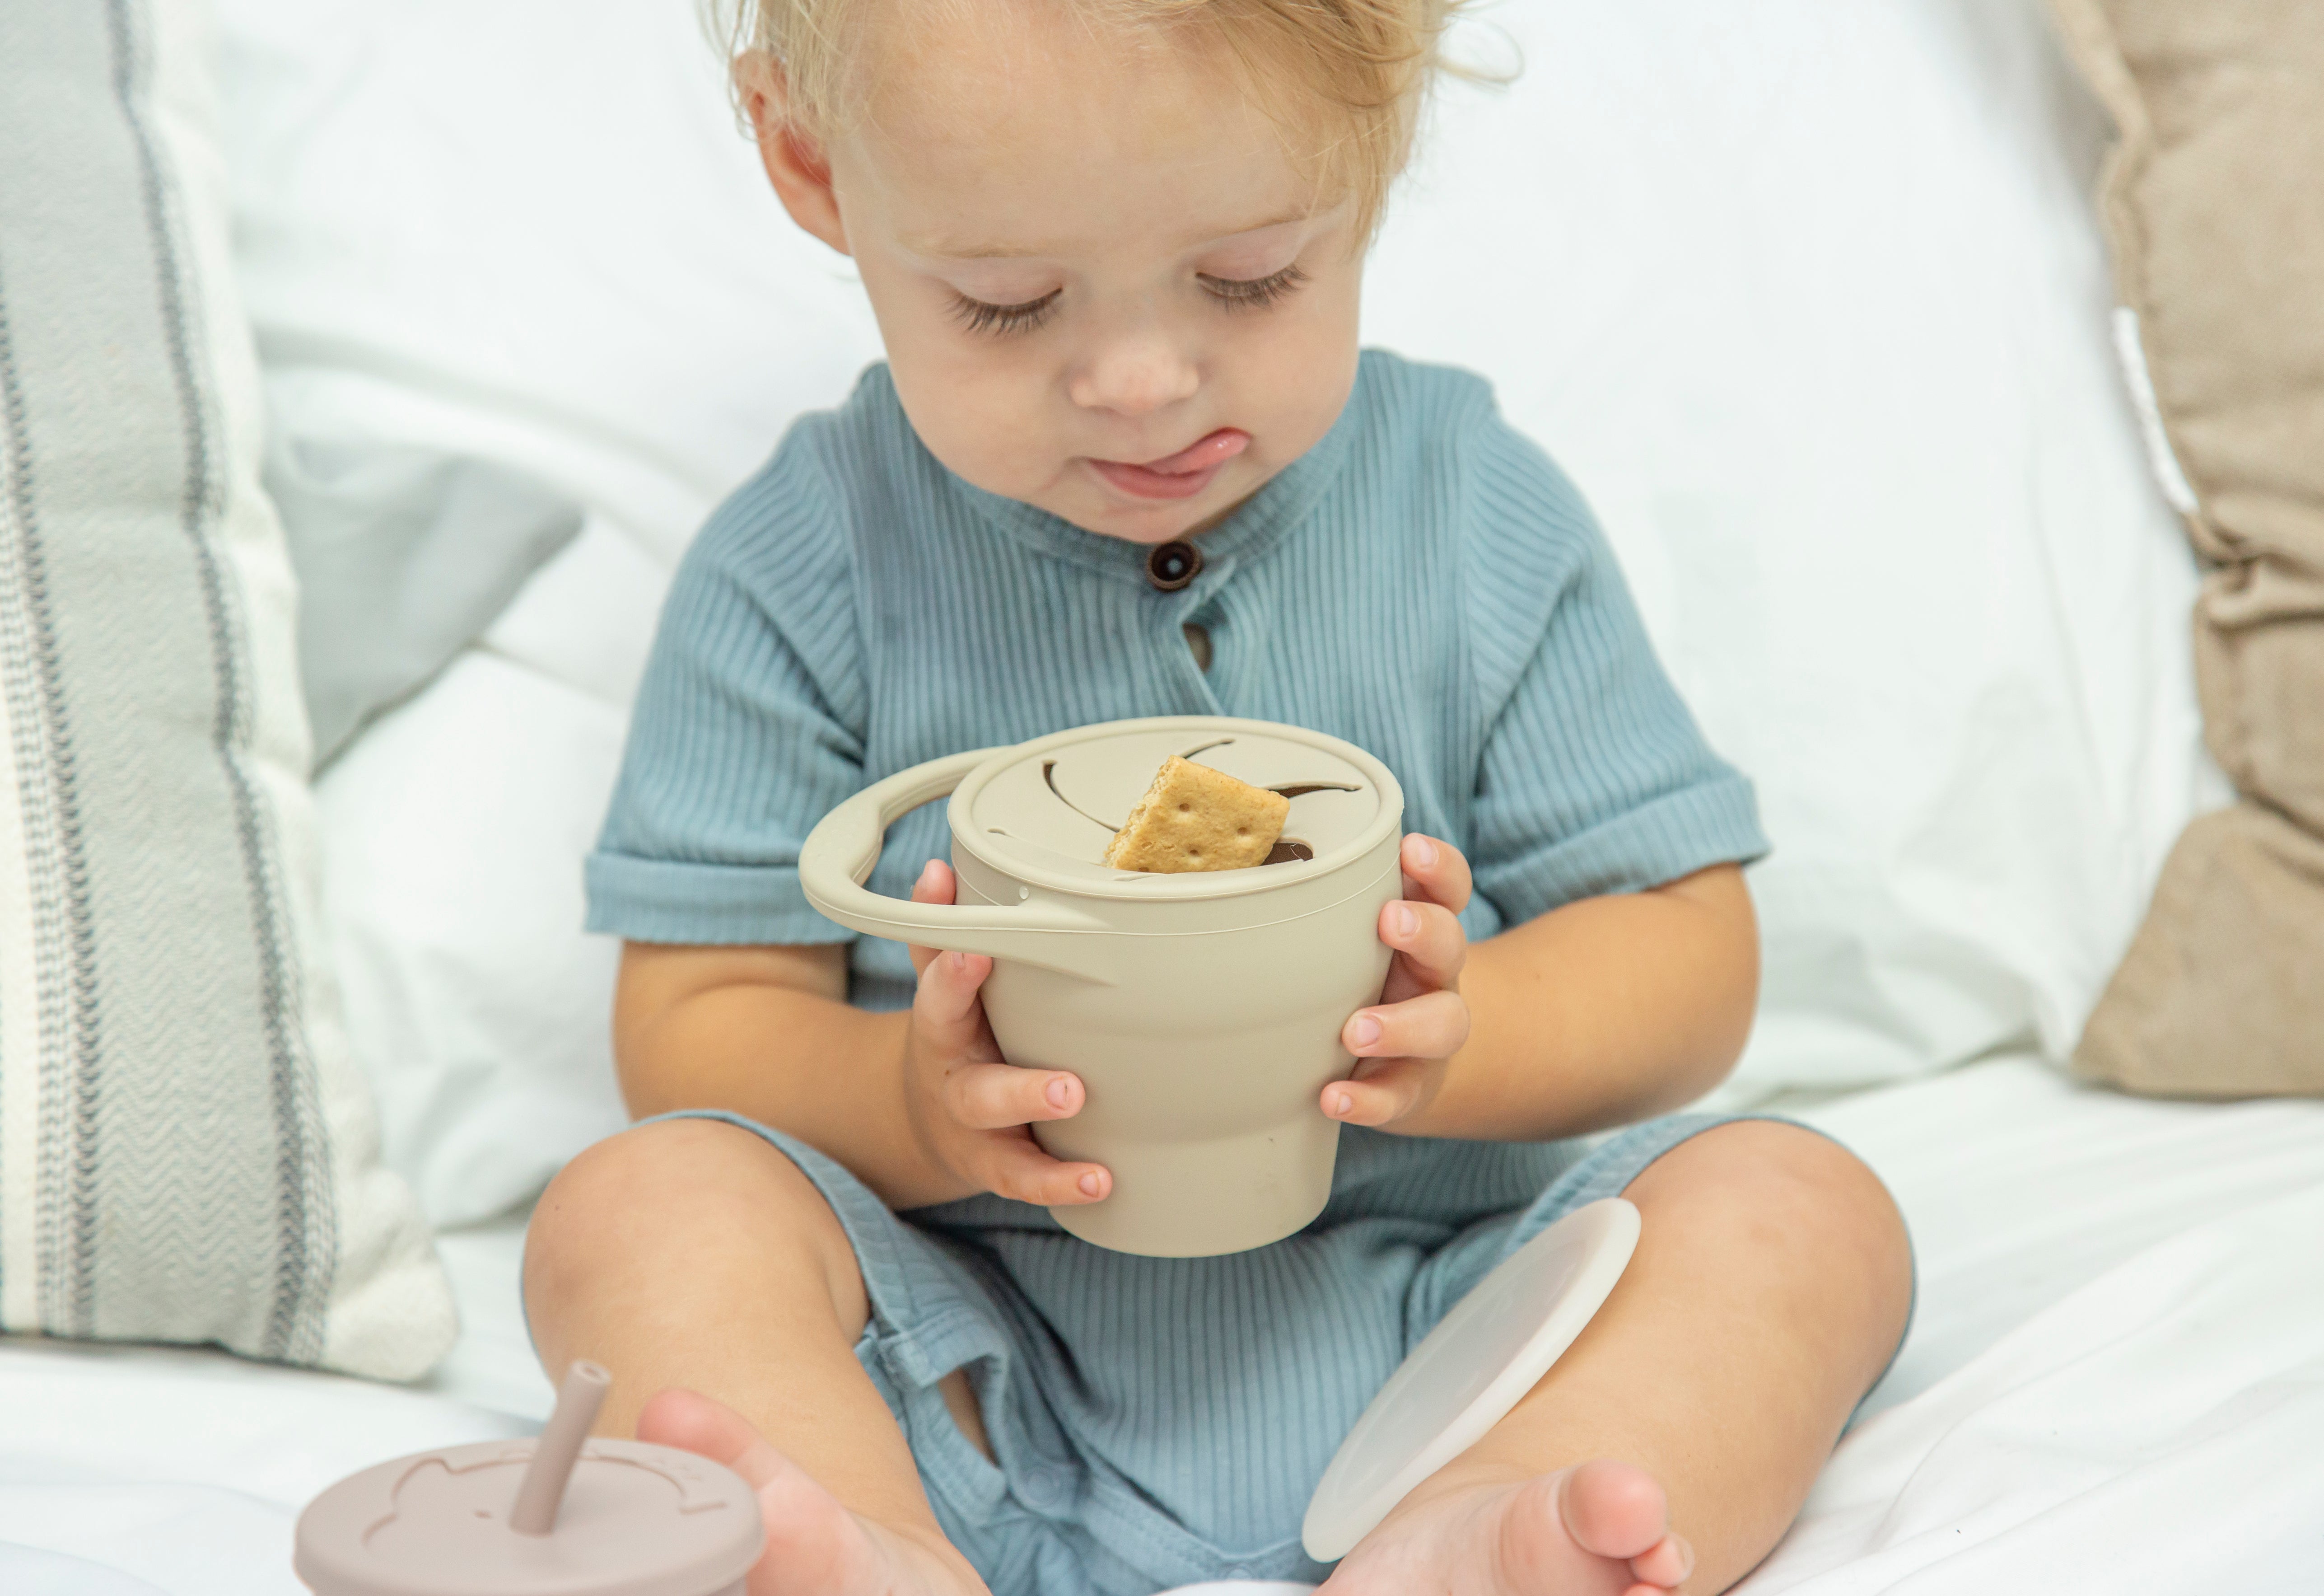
1422	583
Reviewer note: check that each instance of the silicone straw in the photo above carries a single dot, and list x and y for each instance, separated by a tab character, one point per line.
542	1487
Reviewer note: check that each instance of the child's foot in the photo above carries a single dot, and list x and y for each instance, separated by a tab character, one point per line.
814	1547
1600	1529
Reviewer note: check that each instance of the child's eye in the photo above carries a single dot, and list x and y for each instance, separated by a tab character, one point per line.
1251	293
978	317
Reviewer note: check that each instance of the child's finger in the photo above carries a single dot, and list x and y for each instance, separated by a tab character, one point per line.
1432	1025
936	885
1430	938
995	1096
1385	1095
945	1009
1015	1166
1436	871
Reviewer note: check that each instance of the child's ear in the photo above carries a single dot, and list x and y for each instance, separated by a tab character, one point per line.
796	164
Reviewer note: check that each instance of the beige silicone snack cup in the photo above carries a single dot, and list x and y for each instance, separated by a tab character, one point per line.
1202	1011
563	1515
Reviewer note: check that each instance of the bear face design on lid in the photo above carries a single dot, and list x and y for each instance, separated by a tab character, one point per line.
563	1515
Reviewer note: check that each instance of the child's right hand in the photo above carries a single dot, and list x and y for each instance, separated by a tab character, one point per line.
971	1110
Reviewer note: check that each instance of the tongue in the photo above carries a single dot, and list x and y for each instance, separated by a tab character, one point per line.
1202	454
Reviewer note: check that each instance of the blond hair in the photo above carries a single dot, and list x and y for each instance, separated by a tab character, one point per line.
1342	80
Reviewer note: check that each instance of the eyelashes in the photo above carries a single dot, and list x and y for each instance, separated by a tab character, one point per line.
1231	293
978	317
1252	293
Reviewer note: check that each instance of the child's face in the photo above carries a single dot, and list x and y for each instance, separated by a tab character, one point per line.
1096	272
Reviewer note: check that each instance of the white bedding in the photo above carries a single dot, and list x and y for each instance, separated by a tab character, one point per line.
2114	1383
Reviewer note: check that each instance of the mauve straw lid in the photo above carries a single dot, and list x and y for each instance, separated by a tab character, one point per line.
563	1515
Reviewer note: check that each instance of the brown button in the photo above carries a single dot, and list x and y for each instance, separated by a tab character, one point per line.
1172	565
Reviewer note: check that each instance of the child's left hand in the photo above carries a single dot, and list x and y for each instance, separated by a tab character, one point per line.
1402	1041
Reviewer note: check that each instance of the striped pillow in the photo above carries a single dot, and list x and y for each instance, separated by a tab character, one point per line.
187	1153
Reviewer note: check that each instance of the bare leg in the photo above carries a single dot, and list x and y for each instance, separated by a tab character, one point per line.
1769	1287
689	1253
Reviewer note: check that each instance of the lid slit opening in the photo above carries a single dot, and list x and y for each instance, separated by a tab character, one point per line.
1050	776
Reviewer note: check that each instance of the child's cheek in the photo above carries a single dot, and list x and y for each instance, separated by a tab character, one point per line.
978	410
1298	381
962	391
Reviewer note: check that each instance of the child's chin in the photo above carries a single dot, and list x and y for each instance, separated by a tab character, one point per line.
1143	524
1154	522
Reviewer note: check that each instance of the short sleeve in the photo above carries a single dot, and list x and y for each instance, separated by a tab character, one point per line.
1593	777
746	730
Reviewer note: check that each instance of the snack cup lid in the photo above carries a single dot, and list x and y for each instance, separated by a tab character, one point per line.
1468	1372
636	1519
1045	811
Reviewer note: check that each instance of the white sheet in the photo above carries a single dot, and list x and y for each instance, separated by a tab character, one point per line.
2114	1382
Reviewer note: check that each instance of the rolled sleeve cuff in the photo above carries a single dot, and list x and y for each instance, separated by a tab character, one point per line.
726	905
1711	823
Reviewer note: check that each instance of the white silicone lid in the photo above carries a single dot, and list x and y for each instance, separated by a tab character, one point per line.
1469	1371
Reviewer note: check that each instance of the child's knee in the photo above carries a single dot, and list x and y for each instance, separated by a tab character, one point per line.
1785	1187
670	1196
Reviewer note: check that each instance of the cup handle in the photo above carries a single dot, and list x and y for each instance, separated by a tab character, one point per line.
845	844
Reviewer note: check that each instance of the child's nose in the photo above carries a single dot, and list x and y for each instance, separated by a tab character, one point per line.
1135	374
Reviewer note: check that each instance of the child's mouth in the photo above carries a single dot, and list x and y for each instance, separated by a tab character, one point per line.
1181	475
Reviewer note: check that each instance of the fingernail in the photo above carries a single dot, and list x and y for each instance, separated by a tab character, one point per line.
1367	1030
1088	1184
1342	1103
1424	852
1403	921
1058	1094
959	960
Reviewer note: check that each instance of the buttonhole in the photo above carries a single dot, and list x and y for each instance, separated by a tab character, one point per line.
1198	643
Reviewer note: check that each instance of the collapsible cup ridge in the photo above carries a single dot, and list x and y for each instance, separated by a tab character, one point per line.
1201	1011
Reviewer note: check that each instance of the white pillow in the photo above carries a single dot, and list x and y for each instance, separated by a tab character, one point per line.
528	233
1811	301
1807	298
450	834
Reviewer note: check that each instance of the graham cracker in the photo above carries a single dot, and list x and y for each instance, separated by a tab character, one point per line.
1193	818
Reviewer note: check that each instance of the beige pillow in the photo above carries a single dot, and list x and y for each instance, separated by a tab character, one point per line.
2214	200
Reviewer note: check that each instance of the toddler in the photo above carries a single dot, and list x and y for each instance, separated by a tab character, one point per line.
1124	459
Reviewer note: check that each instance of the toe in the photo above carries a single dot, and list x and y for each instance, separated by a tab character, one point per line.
1613	1509
812	1543
695	1423
1664	1565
